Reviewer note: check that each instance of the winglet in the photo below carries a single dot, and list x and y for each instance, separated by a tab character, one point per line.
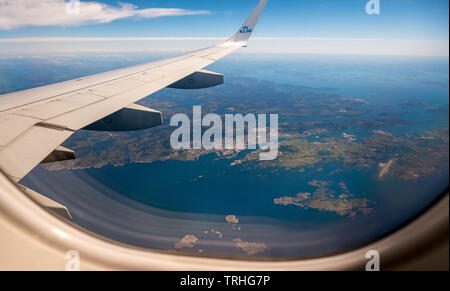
243	35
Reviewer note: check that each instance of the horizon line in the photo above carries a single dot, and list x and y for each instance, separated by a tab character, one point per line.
88	39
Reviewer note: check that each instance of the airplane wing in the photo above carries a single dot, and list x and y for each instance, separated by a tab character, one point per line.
34	123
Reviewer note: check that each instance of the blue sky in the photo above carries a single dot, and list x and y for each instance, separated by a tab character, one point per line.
412	20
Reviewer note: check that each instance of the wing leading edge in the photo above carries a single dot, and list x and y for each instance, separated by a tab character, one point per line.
35	122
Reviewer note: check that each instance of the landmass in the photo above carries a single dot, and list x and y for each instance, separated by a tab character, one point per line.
186	242
251	248
385	168
408	157
315	128
325	199
231	219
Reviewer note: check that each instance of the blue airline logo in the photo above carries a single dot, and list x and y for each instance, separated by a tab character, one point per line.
246	29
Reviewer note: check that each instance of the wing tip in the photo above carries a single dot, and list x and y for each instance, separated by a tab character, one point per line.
242	36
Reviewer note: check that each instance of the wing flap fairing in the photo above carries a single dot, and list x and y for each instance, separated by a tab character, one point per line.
199	80
133	117
60	154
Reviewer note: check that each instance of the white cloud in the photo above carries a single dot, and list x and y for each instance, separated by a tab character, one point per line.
281	45
18	13
96	39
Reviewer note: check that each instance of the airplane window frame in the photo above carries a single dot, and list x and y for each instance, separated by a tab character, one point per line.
19	210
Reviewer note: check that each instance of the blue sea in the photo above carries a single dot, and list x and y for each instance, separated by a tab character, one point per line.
154	205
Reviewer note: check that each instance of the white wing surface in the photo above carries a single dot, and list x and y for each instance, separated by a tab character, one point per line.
34	123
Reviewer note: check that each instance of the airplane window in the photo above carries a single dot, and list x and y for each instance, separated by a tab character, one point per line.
362	149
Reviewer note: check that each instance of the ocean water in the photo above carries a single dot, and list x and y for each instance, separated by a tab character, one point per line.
172	192
377	79
154	205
